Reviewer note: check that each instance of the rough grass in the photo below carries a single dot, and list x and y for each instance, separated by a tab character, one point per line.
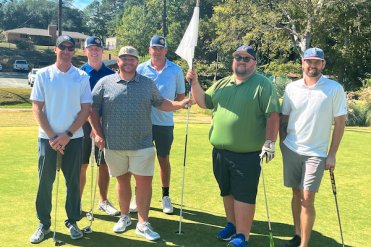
15	97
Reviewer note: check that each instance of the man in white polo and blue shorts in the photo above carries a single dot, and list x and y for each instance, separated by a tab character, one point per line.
126	99
308	109
61	100
169	79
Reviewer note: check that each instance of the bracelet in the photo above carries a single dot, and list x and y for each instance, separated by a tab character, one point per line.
51	139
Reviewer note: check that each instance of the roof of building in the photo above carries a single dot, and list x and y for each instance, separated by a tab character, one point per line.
45	32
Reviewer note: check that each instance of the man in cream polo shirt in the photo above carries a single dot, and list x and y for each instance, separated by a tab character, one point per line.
61	100
308	109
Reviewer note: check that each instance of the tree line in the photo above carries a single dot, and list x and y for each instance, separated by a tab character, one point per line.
279	30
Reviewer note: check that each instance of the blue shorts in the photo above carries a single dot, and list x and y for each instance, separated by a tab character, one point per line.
237	174
163	137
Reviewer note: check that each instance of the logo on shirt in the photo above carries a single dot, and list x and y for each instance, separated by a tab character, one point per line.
274	101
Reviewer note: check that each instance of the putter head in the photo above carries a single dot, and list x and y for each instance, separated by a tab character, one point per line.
89	216
87	230
57	242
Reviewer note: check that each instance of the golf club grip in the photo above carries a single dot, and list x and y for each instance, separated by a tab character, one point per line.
99	157
333	182
271	239
59	160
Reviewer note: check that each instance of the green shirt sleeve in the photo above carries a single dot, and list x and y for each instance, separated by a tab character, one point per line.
269	101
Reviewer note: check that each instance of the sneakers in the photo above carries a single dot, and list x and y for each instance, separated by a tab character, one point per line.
133	206
123	222
38	236
146	230
76	233
167	208
238	241
108	208
227	233
294	242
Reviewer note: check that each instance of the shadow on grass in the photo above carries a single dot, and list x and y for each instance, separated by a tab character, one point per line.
15	102
200	229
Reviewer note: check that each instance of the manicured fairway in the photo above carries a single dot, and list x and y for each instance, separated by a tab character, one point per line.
203	210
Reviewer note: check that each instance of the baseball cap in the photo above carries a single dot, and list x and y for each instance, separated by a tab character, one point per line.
314	53
158	41
245	50
93	40
64	38
128	50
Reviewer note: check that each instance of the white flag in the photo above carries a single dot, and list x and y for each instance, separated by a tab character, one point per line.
186	48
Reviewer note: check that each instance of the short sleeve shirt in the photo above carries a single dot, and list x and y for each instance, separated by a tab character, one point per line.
170	81
241	112
126	106
311	111
63	93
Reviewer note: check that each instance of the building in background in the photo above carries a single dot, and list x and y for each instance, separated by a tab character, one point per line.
111	43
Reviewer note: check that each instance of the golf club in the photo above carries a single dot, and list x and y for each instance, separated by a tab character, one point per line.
88	228
336	202
266	204
59	166
90	214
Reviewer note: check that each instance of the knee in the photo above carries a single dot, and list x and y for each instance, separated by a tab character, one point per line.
296	192
307	202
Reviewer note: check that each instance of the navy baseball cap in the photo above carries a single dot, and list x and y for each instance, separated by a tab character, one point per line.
245	50
65	38
93	40
158	41
314	53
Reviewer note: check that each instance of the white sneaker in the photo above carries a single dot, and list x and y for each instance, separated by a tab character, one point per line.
123	222
166	205
146	230
108	208
38	236
133	205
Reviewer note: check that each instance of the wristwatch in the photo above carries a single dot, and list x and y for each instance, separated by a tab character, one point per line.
69	133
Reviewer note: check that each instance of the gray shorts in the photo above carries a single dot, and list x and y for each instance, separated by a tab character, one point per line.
302	171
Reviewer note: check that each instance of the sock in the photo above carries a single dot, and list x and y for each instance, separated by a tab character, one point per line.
165	191
135	189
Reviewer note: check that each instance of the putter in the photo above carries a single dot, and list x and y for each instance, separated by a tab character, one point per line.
271	241
90	214
336	202
59	166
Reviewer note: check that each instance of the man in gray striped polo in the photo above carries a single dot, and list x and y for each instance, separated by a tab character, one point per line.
126	134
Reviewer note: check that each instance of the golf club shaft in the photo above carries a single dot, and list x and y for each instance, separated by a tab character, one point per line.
59	166
336	202
266	205
92	169
185	156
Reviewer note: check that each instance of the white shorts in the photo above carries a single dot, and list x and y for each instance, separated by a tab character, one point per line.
139	162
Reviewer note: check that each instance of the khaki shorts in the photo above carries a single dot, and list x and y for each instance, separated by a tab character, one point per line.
139	162
304	172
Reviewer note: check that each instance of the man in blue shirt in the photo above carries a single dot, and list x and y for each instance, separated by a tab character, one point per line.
96	69
169	79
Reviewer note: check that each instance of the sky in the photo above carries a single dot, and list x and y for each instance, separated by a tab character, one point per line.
81	4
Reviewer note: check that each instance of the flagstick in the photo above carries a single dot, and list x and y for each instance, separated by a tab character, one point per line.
185	156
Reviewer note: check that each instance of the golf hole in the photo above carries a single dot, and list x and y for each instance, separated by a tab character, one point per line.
181	232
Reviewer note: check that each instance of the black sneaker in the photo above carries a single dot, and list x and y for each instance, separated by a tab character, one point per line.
294	242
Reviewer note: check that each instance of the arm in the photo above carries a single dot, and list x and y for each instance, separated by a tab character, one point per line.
97	128
168	105
284	120
197	92
179	97
272	126
335	142
37	108
63	138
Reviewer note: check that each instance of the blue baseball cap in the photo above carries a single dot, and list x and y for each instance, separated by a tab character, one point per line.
158	41
245	50
314	53
93	40
65	38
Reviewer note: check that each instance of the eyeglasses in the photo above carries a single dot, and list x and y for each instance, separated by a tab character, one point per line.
245	59
63	47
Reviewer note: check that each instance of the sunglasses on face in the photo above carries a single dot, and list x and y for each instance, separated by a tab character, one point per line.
63	47
245	59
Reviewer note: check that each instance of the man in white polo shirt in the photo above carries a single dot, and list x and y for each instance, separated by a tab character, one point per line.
61	100
308	109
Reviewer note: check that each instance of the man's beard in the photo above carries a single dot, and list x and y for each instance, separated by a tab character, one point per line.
243	72
314	73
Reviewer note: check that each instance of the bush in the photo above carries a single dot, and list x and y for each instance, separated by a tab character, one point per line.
25	45
366	97
280	85
357	114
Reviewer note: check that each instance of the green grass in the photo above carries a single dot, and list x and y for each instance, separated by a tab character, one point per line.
15	98
203	210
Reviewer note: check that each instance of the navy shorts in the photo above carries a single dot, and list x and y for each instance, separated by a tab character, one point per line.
87	146
163	137
237	174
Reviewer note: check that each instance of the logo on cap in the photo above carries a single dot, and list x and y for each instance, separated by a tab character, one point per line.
66	37
162	41
97	41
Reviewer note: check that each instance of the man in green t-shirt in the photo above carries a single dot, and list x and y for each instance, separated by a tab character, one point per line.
243	130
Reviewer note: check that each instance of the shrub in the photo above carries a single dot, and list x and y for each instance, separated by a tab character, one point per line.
280	85
25	45
366	97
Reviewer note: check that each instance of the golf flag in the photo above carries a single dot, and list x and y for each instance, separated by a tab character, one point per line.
186	48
